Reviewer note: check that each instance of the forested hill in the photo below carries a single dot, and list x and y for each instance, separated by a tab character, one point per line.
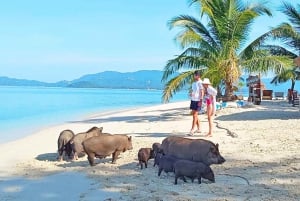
145	79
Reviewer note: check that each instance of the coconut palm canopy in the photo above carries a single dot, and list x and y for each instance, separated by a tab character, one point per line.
218	48
289	34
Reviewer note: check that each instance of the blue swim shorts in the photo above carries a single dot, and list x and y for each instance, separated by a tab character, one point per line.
194	105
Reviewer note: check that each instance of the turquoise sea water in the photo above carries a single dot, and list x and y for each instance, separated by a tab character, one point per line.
24	109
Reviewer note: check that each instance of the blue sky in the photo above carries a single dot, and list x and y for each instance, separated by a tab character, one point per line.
53	40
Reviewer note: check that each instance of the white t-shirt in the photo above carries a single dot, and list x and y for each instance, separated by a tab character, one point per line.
212	91
196	89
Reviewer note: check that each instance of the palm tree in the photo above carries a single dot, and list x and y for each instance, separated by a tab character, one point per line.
217	48
289	34
286	75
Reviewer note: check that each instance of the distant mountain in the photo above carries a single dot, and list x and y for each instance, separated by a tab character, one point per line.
111	79
145	79
6	81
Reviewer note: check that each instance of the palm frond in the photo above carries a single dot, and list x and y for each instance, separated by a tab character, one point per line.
264	64
191	58
279	51
181	63
249	50
292	13
260	8
188	24
176	84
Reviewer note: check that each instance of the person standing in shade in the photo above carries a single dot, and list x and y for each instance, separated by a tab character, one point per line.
196	102
210	94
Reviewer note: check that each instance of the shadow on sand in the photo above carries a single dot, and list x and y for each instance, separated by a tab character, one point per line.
168	115
242	178
268	110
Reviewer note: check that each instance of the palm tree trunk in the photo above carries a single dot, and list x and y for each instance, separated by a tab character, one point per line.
231	76
228	90
293	85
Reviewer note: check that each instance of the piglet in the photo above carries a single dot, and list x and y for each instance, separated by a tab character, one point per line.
144	155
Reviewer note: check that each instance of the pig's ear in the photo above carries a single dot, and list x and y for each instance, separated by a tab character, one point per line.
129	138
214	149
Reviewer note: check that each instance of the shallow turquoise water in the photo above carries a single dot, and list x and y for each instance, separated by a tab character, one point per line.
23	109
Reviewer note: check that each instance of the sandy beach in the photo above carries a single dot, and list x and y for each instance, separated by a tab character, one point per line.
260	143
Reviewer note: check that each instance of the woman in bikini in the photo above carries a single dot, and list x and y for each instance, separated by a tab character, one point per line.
210	94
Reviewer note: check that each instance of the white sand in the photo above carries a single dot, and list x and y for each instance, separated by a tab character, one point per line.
262	159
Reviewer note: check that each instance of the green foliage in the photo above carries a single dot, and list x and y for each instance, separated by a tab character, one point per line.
216	47
289	34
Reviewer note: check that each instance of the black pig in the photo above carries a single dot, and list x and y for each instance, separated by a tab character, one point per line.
166	164
192	170
198	150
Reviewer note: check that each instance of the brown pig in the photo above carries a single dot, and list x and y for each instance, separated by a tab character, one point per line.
104	145
144	155
63	144
76	141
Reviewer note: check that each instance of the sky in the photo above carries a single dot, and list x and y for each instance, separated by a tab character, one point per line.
54	40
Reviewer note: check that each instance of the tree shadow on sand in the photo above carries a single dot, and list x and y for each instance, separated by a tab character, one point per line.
262	114
167	115
158	135
237	178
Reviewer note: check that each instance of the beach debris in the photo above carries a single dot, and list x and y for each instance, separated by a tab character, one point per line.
231	175
229	132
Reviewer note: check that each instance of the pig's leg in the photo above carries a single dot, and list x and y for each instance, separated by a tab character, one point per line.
159	171
176	177
75	157
115	156
60	154
199	180
91	157
141	164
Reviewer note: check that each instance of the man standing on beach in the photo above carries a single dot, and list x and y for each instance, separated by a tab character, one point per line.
196	102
